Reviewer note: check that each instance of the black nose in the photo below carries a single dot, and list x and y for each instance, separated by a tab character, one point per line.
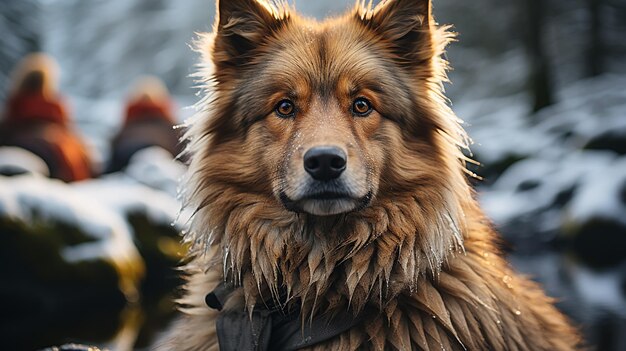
325	162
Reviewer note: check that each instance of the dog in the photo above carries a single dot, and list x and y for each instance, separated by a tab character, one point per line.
330	199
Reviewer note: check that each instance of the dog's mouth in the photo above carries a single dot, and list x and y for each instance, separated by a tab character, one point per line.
326	203
328	195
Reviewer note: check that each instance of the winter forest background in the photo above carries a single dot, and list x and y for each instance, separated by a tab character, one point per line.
540	84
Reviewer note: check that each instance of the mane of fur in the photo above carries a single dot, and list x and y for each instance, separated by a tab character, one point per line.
425	259
262	245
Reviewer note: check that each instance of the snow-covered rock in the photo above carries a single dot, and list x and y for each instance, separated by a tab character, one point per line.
596	217
15	160
110	216
64	258
588	110
124	196
151	214
70	251
35	201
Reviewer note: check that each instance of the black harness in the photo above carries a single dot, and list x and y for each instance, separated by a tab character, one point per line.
271	328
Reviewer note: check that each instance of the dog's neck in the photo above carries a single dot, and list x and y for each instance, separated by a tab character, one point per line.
324	263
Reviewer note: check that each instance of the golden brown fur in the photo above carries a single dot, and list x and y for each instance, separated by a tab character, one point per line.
419	252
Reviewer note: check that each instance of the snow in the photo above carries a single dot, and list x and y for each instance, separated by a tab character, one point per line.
125	196
599	196
600	290
494	124
32	199
99	207
15	160
554	162
588	108
502	126
531	186
155	168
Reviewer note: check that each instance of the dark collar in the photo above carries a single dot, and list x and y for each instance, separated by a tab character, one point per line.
271	328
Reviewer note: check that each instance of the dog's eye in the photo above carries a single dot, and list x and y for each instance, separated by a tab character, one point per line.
361	107
285	109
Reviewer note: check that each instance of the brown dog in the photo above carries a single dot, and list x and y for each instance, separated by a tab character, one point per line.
329	192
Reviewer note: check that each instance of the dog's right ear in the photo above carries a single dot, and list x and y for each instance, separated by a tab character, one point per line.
241	26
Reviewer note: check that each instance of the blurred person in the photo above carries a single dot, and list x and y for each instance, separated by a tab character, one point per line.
148	122
36	119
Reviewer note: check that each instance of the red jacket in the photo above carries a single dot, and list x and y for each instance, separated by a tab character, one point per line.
41	125
35	106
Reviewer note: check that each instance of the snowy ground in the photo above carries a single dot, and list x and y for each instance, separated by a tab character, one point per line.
99	208
33	198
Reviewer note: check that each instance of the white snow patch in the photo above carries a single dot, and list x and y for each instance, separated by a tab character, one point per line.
599	195
530	188
34	198
601	290
125	196
15	160
155	168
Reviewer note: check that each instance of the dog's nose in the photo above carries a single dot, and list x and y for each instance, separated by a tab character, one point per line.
325	162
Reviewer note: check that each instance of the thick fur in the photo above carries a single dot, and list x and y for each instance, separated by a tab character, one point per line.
418	252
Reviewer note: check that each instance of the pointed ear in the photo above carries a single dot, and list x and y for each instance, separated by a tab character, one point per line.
405	25
241	25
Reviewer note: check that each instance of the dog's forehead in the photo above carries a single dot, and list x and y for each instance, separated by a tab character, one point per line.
319	55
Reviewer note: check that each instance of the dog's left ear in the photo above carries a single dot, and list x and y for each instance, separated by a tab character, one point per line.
404	25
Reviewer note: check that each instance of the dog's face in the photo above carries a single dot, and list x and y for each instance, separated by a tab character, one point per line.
328	112
324	116
328	161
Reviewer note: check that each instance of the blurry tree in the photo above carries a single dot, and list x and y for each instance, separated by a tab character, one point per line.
540	75
596	49
20	28
601	25
614	22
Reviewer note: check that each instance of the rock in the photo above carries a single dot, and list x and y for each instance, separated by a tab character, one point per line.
151	215
600	242
614	140
161	249
16	161
66	263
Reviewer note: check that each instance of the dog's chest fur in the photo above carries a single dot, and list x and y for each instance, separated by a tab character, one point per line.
474	303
